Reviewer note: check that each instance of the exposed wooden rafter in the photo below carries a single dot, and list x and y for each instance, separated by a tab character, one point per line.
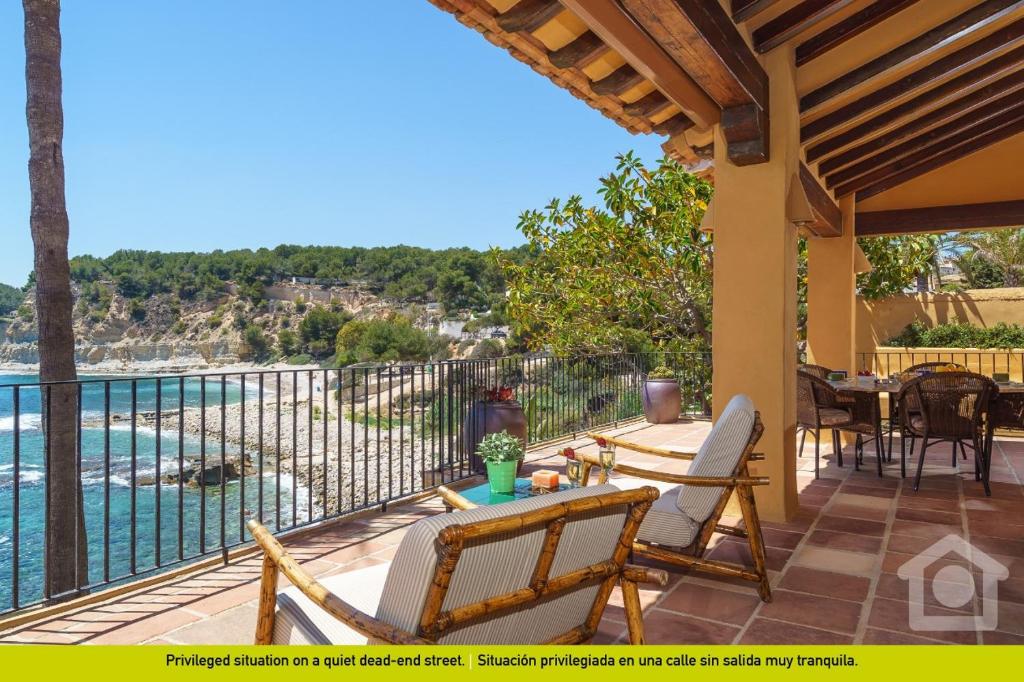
620	32
848	28
619	81
938	70
946	131
748	9
936	155
529	15
940	218
939	116
702	38
649	105
829	221
581	52
674	126
794	21
973	19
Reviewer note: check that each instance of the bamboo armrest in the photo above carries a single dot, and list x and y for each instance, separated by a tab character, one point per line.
706	481
645	449
643	574
363	623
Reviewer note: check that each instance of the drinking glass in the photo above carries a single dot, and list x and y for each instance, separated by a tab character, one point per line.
606	455
573	471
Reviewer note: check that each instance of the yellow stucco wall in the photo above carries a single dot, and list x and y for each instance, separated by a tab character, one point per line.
878	321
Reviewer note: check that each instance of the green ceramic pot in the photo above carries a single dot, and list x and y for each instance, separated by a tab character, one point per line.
502	476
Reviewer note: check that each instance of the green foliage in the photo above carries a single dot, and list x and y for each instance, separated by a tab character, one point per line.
630	275
661	372
387	340
500	447
287	342
300	359
487	348
959	335
319	330
255	343
1003	250
25	311
10	299
896	262
300	305
137	309
979	272
457	278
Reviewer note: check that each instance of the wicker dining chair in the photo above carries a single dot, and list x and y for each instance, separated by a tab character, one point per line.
1006	412
953	406
819	406
817	370
915	408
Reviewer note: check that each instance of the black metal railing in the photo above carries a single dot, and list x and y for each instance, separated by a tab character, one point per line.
886	362
170	468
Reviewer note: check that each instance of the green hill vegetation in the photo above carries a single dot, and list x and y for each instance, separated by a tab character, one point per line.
10	299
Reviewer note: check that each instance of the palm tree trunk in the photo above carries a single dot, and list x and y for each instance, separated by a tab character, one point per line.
66	555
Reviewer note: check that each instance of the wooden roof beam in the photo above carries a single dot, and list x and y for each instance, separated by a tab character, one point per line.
830	217
943	132
940	218
674	126
848	28
748	9
647	106
936	155
794	21
581	52
938	70
702	39
938	116
529	15
620	32
973	19
619	81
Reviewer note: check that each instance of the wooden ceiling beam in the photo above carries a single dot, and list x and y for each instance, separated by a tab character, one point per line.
529	15
580	53
830	217
848	28
621	33
674	126
747	9
940	218
943	114
935	155
647	106
969	120
619	81
973	19
936	71
794	21
704	41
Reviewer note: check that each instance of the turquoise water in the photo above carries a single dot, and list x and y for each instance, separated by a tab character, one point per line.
95	484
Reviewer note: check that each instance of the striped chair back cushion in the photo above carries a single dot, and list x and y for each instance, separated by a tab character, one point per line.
718	456
499	565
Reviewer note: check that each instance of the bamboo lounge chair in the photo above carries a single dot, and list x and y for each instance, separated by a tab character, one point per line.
681	522
533	571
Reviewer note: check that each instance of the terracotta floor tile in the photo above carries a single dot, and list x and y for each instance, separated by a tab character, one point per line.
855	489
855	500
1011	618
835	560
876	636
813	610
847	541
1013	548
824	583
703	602
934	531
895	615
891	586
764	631
855	511
667	627
846	525
234	626
739	553
928	516
942	505
892	561
147	628
782	539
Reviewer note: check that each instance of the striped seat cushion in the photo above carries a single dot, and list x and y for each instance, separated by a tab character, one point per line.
502	565
665	524
300	621
718	456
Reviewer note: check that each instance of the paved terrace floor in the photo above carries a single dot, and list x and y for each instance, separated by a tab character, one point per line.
833	567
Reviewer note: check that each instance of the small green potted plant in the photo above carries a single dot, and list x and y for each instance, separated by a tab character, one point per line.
661	398
501	452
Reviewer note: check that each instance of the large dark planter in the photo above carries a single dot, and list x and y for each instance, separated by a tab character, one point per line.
662	401
485	418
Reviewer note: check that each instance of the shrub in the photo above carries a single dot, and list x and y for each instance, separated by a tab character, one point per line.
300	359
137	309
25	311
287	342
959	335
319	330
255	344
487	348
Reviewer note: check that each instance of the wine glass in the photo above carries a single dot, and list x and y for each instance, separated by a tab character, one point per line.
606	455
573	471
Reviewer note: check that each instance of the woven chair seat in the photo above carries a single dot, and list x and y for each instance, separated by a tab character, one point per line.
831	416
963	425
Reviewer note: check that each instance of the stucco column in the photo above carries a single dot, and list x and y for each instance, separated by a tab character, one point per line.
754	316
832	296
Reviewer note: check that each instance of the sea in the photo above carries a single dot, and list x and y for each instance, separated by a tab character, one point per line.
110	524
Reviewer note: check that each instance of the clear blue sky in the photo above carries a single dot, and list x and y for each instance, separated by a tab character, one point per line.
204	124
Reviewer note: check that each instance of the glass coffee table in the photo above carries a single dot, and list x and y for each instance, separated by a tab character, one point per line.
481	495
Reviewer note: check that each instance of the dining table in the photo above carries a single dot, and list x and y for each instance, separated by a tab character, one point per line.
892	388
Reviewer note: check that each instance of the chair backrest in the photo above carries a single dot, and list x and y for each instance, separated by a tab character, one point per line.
1007	411
938	363
816	370
813	393
533	571
732	436
951	404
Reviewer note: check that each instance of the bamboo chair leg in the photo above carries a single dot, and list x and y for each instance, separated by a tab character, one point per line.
267	603
634	612
748	508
